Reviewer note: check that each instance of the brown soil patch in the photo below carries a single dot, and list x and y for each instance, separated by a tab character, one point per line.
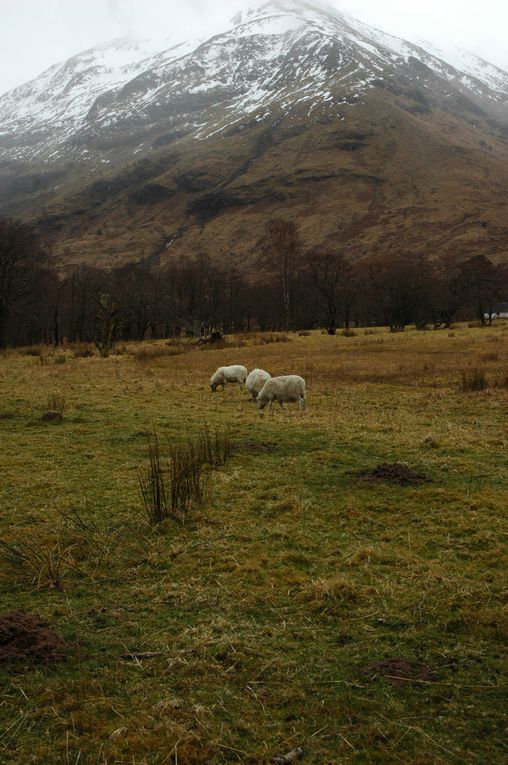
28	637
397	672
6	416
52	417
396	473
255	446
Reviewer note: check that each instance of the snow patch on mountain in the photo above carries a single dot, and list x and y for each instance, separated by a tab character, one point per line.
276	56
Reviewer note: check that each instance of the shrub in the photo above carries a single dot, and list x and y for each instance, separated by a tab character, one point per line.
474	380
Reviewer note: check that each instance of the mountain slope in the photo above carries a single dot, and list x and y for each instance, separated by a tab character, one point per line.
295	110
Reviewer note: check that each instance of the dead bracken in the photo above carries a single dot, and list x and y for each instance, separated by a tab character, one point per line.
397	472
28	637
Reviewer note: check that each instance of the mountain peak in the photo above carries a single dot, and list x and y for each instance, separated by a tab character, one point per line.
280	57
300	8
293	109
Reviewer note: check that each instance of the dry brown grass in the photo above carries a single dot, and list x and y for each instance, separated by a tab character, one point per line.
147	354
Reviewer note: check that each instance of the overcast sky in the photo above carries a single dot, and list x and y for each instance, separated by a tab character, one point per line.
38	33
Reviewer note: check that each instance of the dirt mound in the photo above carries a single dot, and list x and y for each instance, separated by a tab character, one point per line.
255	446
27	637
396	473
397	672
52	417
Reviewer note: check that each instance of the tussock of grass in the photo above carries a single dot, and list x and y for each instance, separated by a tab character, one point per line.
56	403
148	354
474	380
83	351
318	593
277	337
42	564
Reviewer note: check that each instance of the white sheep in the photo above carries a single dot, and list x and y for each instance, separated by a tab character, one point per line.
288	388
255	381
223	375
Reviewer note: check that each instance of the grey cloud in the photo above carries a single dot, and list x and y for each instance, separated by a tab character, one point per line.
37	34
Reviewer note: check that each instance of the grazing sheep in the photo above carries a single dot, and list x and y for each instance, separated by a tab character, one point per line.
255	381
288	388
223	375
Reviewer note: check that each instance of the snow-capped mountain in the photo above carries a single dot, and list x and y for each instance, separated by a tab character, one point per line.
139	148
281	56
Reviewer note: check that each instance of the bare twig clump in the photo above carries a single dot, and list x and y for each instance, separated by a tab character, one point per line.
152	482
187	480
171	487
215	448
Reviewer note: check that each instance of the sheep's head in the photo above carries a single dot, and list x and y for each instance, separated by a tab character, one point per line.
262	401
213	386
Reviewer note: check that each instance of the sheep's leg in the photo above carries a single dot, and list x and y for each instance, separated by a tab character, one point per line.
281	405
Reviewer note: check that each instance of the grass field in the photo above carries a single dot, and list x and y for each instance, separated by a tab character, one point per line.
300	606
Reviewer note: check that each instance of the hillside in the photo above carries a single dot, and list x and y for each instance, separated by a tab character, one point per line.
129	152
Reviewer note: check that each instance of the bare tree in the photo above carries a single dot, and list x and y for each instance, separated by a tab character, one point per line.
333	277
284	243
108	324
402	288
22	263
482	285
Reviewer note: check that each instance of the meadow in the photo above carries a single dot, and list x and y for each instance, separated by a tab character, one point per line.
299	606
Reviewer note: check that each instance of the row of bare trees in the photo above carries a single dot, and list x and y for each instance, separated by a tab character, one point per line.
291	289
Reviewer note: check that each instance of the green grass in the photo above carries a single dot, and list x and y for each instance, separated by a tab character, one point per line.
268	602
